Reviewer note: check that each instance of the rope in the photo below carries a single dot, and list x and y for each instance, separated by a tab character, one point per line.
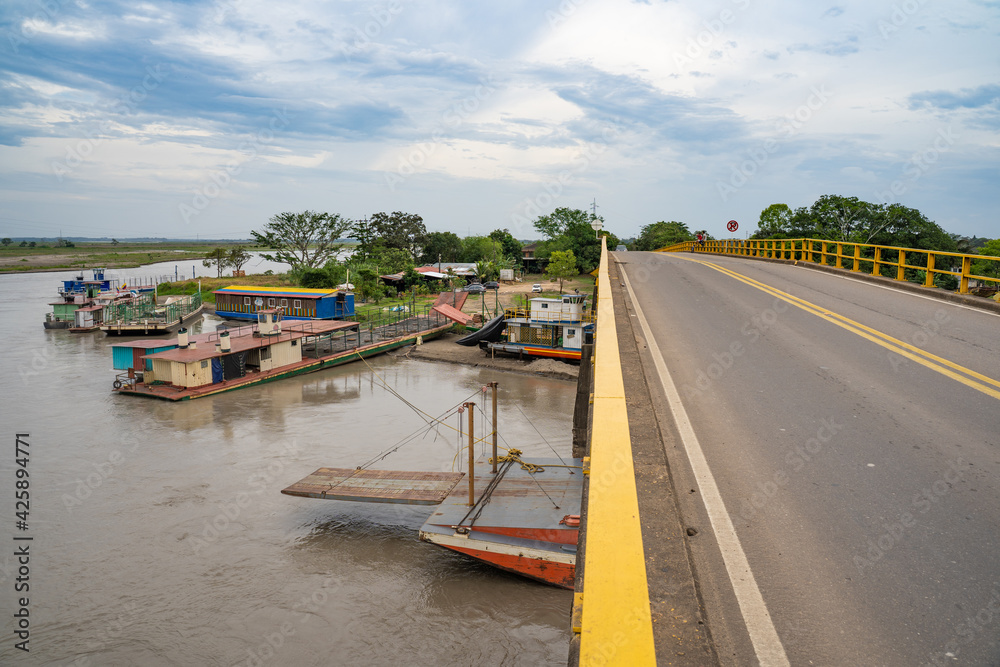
514	456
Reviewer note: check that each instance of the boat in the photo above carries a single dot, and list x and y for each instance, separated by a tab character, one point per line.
526	521
555	328
146	316
83	311
91	316
188	366
240	302
519	516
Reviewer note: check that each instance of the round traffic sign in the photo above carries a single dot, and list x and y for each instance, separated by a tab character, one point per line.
732	225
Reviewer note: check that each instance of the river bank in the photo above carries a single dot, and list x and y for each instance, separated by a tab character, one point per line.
444	349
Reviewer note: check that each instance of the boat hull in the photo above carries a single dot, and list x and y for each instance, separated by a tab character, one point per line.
556	567
536	351
522	526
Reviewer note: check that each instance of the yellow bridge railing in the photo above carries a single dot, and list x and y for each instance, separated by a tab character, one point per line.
880	260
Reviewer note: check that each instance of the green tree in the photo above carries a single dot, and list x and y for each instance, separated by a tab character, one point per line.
32	244
304	239
390	260
219	258
661	234
478	248
569	229
441	246
24	244
775	221
988	267
510	246
114	241
238	256
404	231
562	266
6	242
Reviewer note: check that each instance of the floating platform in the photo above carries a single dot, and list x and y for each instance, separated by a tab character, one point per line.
376	486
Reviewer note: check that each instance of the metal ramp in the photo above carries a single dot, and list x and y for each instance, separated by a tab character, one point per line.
377	486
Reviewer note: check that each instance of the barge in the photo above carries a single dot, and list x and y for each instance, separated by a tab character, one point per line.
189	367
555	328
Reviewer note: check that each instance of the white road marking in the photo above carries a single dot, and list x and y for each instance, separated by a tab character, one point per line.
766	643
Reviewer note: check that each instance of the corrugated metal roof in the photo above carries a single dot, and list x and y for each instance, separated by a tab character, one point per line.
297	292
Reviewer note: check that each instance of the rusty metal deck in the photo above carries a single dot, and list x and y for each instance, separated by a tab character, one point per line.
377	486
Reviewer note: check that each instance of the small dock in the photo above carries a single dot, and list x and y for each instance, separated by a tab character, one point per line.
376	486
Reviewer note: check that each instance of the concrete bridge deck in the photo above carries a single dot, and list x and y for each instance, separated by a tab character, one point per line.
813	465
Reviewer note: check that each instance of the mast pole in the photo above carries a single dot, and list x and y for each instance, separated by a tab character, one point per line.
494	386
470	406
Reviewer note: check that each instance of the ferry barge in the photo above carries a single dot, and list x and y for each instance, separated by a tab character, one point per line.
189	367
555	328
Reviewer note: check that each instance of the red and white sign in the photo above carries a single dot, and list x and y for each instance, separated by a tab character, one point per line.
732	225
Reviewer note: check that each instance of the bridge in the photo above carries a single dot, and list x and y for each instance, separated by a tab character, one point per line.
794	459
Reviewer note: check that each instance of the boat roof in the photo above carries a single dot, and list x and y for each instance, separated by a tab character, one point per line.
247	341
296	292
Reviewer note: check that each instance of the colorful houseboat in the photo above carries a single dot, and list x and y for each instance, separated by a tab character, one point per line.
194	366
146	316
555	328
238	302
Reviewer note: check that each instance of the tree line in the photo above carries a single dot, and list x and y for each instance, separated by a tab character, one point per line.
843	219
312	243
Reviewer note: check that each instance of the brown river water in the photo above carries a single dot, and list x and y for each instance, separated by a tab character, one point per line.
160	536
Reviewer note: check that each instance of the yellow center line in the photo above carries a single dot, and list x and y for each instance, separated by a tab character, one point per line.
971	378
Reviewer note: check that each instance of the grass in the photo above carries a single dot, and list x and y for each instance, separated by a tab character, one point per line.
90	255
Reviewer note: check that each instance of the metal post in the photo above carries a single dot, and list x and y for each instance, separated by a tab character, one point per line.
470	406
494	386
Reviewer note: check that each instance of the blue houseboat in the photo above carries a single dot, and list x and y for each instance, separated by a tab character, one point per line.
296	303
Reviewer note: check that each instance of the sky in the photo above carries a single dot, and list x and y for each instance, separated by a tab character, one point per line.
204	119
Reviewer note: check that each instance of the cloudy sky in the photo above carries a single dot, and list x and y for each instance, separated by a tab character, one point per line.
185	119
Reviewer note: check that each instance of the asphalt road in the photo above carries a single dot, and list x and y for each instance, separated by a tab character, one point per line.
860	473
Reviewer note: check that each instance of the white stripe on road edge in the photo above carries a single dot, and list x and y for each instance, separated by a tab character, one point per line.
766	643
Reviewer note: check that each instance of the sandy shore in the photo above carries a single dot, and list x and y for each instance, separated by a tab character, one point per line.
446	350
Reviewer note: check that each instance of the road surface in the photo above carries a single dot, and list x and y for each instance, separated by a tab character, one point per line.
837	450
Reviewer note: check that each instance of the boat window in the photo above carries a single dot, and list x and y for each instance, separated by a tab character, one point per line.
270	303
246	301
294	343
545	305
204	363
284	303
296	304
265	353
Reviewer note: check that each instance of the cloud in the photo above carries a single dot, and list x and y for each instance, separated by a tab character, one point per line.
987	96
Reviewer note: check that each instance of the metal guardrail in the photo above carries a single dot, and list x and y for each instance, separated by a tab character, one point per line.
885	261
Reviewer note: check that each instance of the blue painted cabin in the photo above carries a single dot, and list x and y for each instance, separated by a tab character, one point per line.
297	303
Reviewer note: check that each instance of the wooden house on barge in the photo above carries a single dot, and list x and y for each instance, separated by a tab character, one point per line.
195	366
238	302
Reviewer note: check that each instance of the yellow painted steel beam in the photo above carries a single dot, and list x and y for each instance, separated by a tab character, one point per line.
615	625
